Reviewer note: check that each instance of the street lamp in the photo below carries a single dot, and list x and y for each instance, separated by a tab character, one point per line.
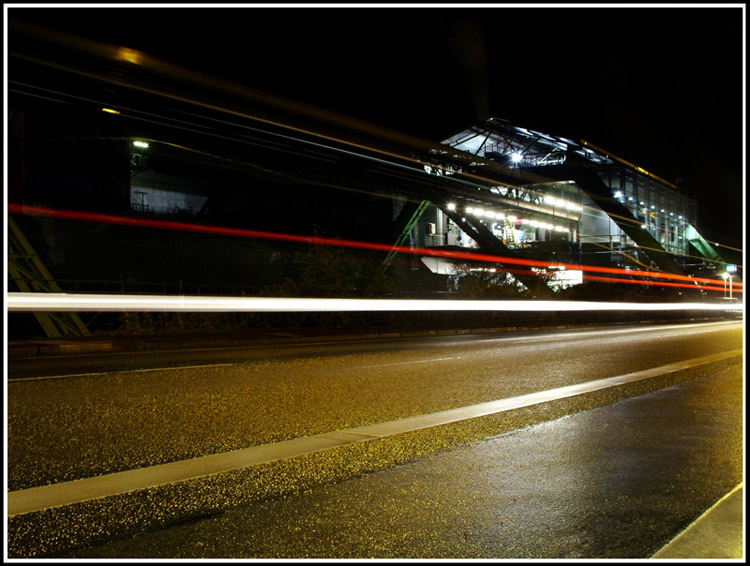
729	276
726	276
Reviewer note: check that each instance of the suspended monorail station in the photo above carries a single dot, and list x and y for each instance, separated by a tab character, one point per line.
542	196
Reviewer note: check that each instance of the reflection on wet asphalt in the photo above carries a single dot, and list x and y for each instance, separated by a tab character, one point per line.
613	482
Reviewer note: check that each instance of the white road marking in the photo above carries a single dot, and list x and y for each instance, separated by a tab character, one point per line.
406	363
67	493
693	328
100	373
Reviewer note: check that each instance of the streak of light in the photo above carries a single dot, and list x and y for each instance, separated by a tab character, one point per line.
105	52
176	72
724	246
175	124
63	302
149	117
654	283
317	240
681	255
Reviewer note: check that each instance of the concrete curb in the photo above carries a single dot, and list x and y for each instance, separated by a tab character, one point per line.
717	534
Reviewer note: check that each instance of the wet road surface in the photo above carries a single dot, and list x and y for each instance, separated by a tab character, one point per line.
614	482
66	428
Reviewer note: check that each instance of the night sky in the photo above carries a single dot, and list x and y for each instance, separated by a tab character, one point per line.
659	87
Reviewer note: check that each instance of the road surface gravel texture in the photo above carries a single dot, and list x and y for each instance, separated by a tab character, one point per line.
77	427
85	426
614	482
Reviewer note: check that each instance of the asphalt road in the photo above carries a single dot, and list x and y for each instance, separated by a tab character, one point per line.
73	427
83	421
614	482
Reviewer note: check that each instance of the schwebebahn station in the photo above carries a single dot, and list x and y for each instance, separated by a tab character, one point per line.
109	156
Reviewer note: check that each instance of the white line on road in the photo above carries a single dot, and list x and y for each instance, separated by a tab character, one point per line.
67	493
95	374
546	337
406	363
694	328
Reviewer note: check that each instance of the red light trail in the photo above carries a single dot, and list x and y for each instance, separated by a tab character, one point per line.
686	281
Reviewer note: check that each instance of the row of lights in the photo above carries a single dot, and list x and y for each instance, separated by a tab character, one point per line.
482	213
546	226
618	195
562	203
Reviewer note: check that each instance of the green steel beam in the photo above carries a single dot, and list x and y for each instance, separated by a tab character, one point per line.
700	244
408	225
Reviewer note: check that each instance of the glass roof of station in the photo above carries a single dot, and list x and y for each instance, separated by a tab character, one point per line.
498	140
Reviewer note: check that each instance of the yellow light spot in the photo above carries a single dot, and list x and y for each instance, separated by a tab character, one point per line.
129	55
110	110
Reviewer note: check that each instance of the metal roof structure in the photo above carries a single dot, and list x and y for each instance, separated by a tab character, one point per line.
499	140
514	146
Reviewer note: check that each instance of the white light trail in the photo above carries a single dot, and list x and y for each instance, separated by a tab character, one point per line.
63	302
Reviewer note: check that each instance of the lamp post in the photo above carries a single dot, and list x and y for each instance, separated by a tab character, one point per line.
726	276
729	276
731	268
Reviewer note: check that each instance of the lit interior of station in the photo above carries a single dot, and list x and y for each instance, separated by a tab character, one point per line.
565	200
514	192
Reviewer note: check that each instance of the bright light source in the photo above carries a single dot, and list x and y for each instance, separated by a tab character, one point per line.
110	111
478	212
56	302
618	194
562	202
516	157
512	218
140	144
451	206
129	55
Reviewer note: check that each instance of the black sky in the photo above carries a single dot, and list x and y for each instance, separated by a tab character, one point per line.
659	87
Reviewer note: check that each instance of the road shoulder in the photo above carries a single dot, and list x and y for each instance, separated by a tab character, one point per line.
718	533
